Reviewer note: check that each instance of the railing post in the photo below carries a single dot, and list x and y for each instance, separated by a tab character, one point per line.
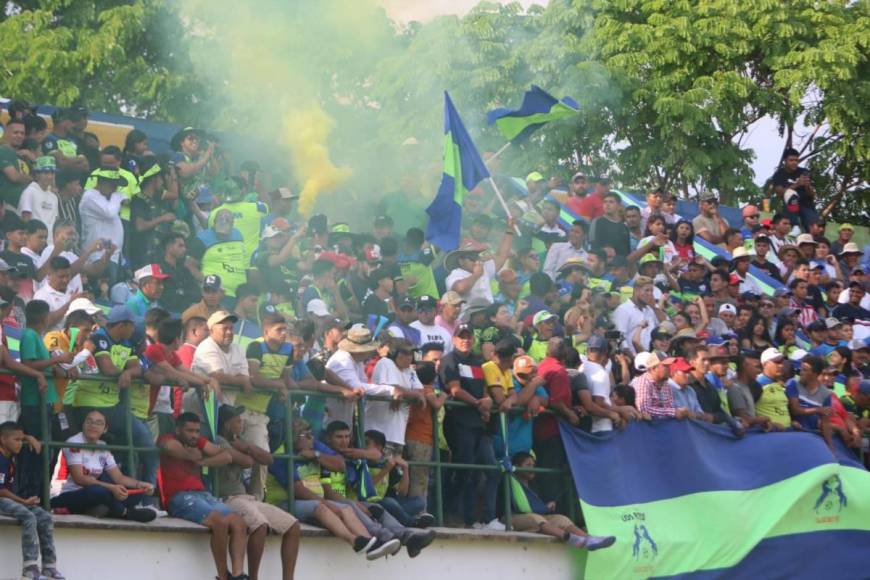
360	422
439	473
128	429
47	441
290	450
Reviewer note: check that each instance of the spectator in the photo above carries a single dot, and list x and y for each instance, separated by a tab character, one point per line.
448	319
388	418
532	514
37	528
16	240
99	209
759	260
149	215
13	177
246	329
773	402
212	296
258	516
61	143
419	439
220	252
751	220
808	401
149	279
709	224
425	324
38	200
95	485
638	312
180	288
248	214
403	325
592	205
183	455
392	481
684	395
65	240
323	287
654	396
195	331
69	192
793	184
609	232
579	188
560	252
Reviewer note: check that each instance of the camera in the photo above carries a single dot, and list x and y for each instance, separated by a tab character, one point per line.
613	335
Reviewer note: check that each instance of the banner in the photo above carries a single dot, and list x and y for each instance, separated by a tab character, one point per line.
687	499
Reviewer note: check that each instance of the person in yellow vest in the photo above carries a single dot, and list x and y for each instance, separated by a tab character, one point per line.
247	215
545	327
221	251
61	145
773	402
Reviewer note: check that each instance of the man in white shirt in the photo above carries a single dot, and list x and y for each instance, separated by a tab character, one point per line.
425	323
598	379
56	292
65	239
395	370
637	312
471	272
348	364
100	211
222	359
38	200
561	252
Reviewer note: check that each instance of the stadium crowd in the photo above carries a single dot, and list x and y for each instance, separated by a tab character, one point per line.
146	287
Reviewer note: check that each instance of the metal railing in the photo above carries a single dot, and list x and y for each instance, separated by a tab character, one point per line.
435	463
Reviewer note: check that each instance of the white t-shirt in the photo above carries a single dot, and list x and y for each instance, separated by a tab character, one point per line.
481	289
627	317
598	380
209	357
93	463
75	283
434	333
379	415
42	205
56	300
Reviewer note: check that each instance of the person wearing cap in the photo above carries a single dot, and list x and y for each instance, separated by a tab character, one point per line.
247	327
561	252
773	402
212	296
38	200
395	369
828	338
56	292
509	289
544	324
379	301
427	307
461	373
592	205
710	381
638	311
220	251
708	223
808	401
181	289
149	280
451	307
849	256
260	517
680	382
16	239
740	262
99	210
844	236
222	359
578	189
401	327
276	260
324	286
248	215
605	414
654	397
519	387
194	159
149	216
470	272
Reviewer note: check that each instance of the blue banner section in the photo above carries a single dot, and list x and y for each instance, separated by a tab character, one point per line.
657	460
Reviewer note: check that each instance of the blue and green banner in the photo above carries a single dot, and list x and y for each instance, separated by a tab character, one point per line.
687	499
538	108
463	170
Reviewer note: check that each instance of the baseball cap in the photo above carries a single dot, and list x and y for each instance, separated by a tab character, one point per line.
707	196
680	364
317	307
220	316
667	327
817	325
727	308
832	323
771	354
211	282
717	351
227	412
150	271
426	303
271	231
733	280
762	238
596	343
535	176
383	221
120	313
407	302
781	292
657	358
452	298
462	329
524	365
542	316
806	239
640	361
859	344
83	304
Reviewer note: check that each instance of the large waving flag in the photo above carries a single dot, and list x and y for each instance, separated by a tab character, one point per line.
686	499
538	108
463	170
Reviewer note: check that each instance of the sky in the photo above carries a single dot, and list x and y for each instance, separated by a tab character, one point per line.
763	139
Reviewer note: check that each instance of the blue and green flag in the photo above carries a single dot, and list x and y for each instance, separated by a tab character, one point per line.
687	499
538	108
463	170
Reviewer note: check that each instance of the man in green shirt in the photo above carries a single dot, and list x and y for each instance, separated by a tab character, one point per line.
35	355
12	177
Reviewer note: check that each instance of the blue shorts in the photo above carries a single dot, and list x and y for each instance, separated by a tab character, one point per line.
194	506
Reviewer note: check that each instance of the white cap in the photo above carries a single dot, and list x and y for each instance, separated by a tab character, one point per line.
640	361
728	308
771	354
798	354
317	307
83	304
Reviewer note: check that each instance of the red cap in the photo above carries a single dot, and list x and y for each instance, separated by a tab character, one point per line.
734	280
679	364
150	271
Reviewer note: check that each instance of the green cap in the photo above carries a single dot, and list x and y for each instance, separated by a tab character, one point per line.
647	258
45	163
110	174
231	190
535	176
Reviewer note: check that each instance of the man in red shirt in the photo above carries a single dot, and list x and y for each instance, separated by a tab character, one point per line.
548	444
592	206
195	331
183	454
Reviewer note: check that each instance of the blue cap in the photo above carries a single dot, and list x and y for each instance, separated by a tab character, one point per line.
596	343
120	313
864	387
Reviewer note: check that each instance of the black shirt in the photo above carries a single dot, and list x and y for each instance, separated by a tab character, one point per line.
139	246
851	312
467	369
181	290
768	267
709	400
605	232
786	179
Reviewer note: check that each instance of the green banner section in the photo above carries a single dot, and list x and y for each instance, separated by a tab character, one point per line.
712	530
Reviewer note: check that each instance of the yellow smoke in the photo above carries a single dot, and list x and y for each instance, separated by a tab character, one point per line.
305	133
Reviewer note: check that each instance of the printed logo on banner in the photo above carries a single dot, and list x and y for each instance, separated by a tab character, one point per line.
832	500
644	548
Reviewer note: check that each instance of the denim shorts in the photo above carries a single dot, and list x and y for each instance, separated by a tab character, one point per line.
194	506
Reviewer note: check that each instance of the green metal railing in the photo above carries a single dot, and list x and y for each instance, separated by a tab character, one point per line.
435	463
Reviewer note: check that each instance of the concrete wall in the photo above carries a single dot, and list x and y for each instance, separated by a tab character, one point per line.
169	549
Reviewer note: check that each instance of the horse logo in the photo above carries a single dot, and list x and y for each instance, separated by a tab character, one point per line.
832	492
644	546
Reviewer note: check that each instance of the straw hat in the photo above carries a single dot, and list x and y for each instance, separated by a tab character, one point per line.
359	339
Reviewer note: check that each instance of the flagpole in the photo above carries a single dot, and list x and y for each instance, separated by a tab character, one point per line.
502	201
497	153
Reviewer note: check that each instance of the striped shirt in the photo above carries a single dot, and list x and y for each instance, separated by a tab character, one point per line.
654	399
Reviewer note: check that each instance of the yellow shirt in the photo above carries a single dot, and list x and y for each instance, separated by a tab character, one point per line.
494	376
773	403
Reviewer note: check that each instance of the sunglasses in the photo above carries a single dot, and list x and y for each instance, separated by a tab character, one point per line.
753	217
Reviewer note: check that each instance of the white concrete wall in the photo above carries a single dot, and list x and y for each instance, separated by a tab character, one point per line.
128	553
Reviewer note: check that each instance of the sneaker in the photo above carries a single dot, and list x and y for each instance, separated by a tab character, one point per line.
476	526
160	513
362	543
98	511
140	515
381	549
241	576
53	573
418	541
494	526
424	520
598	542
31	573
